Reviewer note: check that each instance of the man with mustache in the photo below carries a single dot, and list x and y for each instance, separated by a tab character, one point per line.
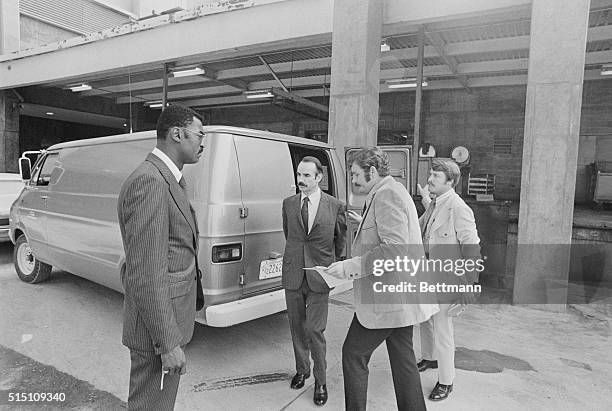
449	233
314	224
160	277
389	226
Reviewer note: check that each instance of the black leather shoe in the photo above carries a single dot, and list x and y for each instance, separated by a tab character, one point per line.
320	394
298	380
426	364
440	392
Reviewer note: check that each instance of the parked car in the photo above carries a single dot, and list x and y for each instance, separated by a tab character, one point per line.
66	216
11	185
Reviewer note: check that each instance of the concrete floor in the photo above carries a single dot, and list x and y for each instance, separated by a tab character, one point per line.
508	357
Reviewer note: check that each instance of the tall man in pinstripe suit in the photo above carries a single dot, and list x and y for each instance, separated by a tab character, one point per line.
160	277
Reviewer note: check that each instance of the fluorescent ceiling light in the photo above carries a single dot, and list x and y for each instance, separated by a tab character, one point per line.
184	72
50	113
267	93
80	87
404	83
384	46
606	70
154	104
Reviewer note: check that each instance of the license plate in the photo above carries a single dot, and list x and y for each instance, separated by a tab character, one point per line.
271	268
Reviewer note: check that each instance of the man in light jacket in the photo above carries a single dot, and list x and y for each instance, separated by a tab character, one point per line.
389	226
449	234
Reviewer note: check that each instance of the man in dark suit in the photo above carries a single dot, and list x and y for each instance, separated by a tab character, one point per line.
314	224
160	277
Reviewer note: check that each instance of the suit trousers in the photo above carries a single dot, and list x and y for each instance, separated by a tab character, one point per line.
357	349
145	380
438	343
307	312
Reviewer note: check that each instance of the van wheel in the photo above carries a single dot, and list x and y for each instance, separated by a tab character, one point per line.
28	268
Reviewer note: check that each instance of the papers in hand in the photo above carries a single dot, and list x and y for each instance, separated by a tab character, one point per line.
329	279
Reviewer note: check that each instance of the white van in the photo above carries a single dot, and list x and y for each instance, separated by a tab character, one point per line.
11	185
66	215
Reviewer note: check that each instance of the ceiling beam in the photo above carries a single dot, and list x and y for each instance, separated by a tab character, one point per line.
265	63
300	100
450	61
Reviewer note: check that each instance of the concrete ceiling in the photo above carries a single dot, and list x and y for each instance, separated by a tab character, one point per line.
465	53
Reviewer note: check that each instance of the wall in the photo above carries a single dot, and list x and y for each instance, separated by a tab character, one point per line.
489	122
35	33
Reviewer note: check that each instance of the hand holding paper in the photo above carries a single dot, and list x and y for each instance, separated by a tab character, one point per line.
332	276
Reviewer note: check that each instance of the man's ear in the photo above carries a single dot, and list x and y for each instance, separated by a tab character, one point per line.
319	177
373	172
175	134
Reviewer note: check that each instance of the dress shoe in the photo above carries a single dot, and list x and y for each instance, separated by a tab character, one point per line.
298	380
440	392
320	394
426	364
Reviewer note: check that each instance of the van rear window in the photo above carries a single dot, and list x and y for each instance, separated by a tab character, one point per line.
299	152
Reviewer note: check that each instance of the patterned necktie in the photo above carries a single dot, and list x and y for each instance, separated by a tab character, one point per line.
305	214
427	217
183	183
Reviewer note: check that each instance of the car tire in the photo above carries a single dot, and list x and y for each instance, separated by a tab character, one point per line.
28	267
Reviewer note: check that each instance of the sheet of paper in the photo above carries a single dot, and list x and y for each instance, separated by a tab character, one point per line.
330	280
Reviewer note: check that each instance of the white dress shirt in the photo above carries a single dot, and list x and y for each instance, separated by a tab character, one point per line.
167	161
313	205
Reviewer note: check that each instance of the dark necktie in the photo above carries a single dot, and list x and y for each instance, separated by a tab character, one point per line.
305	214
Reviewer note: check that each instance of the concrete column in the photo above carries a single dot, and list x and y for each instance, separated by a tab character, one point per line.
9	132
355	73
550	151
9	26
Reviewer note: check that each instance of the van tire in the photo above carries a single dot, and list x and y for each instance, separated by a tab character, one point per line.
29	269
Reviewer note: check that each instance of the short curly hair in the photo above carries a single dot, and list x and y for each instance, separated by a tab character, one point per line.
371	157
174	116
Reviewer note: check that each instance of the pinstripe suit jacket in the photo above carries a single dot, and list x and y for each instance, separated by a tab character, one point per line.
160	276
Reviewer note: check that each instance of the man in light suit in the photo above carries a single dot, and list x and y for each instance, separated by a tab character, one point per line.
314	224
389	226
160	277
449	233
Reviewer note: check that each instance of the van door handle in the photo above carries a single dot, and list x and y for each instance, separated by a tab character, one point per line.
274	255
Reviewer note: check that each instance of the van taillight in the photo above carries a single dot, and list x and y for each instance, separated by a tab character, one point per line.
227	252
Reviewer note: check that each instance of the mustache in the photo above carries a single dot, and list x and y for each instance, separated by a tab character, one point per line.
301	184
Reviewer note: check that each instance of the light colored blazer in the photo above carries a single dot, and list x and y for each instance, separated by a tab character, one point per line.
390	224
323	245
160	277
453	235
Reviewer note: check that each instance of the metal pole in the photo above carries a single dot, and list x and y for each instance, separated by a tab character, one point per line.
417	110
165	87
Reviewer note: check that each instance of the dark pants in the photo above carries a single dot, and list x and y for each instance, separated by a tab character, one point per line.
358	347
145	380
307	312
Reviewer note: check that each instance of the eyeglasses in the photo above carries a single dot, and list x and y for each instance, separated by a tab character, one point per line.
200	134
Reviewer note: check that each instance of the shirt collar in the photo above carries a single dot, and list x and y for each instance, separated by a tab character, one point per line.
313	198
383	181
169	163
444	197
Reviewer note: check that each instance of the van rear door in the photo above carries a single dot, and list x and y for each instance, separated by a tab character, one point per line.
266	178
